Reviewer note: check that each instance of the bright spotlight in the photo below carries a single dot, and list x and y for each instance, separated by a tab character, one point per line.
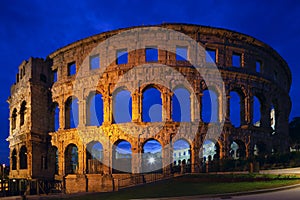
151	160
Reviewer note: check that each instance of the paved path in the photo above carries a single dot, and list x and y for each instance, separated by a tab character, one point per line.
295	171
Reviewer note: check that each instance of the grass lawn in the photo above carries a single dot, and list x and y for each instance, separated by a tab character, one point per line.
197	185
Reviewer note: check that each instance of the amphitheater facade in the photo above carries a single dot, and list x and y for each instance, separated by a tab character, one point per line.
54	134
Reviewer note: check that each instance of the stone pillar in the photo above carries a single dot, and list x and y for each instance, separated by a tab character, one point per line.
195	158
200	107
136	161
61	159
107	105
167	159
195	107
167	105
136	107
227	114
81	113
247	110
61	106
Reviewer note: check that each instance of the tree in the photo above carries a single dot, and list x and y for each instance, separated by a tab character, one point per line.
294	129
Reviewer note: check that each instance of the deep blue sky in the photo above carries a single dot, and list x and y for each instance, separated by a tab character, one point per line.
37	28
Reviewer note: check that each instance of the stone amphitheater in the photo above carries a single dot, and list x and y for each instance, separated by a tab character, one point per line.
67	123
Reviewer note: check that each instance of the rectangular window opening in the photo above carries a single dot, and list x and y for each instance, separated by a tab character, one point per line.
236	60
181	53
71	69
210	55
95	62
122	56
258	66
151	54
54	72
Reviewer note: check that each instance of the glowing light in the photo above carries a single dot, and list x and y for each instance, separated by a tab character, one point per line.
151	160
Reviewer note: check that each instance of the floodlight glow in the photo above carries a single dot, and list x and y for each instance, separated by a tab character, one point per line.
151	160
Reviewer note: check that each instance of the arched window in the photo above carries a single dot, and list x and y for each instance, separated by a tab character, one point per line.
210	106
56	117
181	153
122	106
273	117
122	155
235	109
211	150
23	157
152	156
71	113
152	105
94	110
94	156
14	160
22	113
14	119
181	105
256	112
71	159
237	149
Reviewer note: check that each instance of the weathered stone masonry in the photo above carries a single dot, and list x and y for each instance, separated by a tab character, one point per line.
34	142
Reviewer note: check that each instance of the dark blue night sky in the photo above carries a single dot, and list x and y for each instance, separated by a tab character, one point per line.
37	28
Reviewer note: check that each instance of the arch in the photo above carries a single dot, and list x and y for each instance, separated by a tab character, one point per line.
71	159
23	157
122	106
152	156
22	113
257	108
210	106
14	119
151	105
236	107
55	116
14	159
182	153
273	118
181	105
211	150
122	156
94	157
237	149
71	113
95	109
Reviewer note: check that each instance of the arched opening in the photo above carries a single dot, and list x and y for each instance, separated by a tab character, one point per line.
71	159
94	157
94	110
237	150
211	150
14	119
152	105
181	105
181	154
256	112
22	113
152	157
210	107
122	156
56	117
71	113
14	160
122	106
235	109
23	157
273	118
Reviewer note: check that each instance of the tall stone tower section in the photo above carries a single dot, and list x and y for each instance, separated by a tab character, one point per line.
30	122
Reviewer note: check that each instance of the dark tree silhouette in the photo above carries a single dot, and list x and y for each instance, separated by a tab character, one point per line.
294	127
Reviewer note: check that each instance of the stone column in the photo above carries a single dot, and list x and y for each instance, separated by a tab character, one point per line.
166	105
81	113
167	159
107	105
136	161
227	114
247	110
61	106
136	107
195	107
195	159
